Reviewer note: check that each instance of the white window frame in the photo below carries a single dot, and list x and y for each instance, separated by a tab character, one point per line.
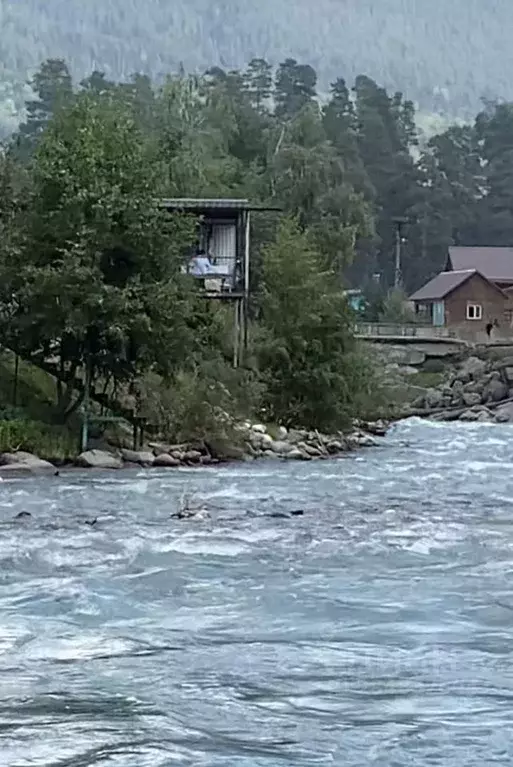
474	312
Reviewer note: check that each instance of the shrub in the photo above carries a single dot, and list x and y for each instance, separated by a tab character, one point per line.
201	403
38	438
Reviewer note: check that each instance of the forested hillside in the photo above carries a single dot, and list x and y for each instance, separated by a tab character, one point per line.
444	55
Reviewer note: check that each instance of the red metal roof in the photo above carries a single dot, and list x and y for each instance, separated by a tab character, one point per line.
496	264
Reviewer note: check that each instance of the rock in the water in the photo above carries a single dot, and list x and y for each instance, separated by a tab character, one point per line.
377	428
22	461
165	460
298	455
23	515
476	413
99	459
144	458
362	440
504	413
196	514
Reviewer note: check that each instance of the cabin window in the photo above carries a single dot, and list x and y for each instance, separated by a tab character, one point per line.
474	312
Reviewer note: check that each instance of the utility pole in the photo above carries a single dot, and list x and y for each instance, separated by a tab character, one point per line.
399	223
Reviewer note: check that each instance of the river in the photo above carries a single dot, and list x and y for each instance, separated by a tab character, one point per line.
376	629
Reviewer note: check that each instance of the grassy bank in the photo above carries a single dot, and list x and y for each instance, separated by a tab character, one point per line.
28	414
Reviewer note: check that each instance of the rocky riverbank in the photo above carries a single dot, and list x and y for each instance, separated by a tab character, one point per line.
478	389
256	443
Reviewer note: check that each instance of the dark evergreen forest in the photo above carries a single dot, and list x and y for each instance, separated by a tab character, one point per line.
444	55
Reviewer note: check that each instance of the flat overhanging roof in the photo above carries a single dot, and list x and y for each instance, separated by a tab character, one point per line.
213	205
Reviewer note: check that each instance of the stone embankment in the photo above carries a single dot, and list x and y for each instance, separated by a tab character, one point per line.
256	442
476	390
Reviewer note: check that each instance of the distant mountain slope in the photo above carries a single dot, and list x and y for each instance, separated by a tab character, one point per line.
446	54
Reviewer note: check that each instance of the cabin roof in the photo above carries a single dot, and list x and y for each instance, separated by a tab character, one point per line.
496	264
209	205
444	283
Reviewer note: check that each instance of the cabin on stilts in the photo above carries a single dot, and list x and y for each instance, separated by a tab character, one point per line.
220	259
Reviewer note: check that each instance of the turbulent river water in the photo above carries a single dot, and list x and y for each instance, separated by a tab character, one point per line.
376	629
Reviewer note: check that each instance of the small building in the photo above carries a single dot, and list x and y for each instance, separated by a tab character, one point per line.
463	300
220	259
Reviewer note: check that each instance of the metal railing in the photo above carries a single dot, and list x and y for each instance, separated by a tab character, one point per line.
400	330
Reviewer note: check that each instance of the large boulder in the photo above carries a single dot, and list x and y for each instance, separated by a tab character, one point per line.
142	457
99	459
22	461
164	460
495	391
473	387
298	455
471	398
477	413
192	456
508	374
472	369
311	450
504	413
433	399
408	356
336	446
260	440
280	447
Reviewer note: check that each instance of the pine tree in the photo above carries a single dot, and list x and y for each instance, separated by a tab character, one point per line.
294	88
53	88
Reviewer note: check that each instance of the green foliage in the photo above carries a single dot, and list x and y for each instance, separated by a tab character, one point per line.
202	402
95	278
35	437
91	268
396	309
312	368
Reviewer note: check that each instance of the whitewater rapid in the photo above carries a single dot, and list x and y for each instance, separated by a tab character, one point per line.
375	629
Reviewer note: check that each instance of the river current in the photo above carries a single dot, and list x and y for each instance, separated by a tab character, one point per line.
375	629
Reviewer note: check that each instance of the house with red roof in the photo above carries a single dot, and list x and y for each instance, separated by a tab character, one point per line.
474	291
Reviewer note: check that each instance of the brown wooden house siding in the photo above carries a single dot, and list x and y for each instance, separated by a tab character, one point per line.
478	291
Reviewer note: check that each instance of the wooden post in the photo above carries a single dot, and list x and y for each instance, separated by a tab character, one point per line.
15	382
85	408
236	333
246	283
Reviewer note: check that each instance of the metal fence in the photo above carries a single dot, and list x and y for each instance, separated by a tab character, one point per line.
407	330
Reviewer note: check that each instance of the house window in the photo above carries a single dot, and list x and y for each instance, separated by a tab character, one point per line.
474	312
